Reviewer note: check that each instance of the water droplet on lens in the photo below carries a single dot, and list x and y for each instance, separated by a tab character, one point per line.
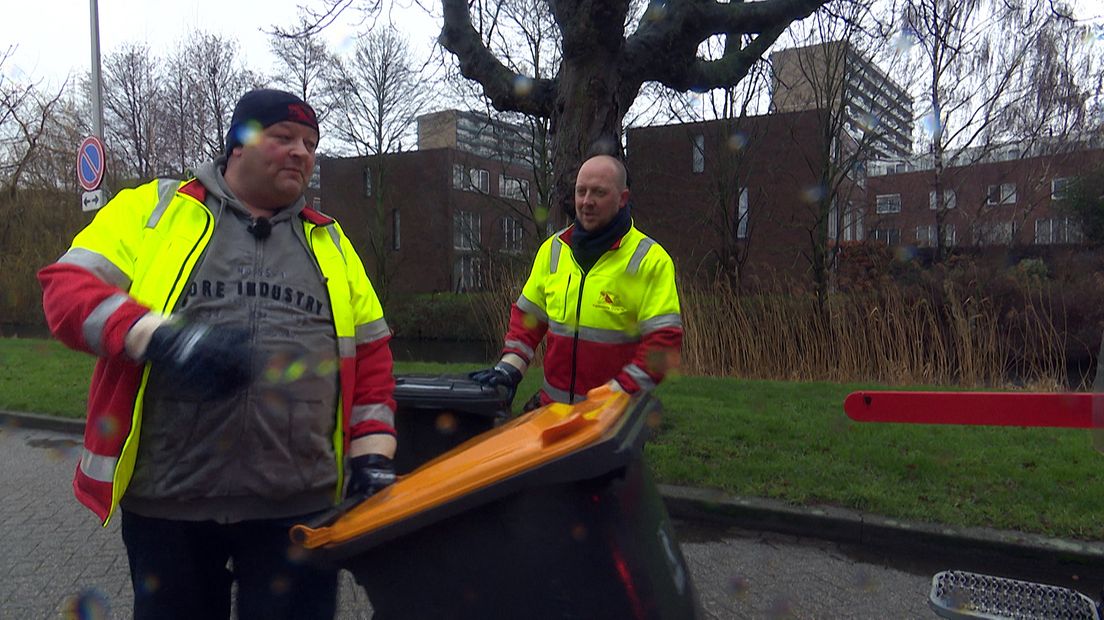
523	86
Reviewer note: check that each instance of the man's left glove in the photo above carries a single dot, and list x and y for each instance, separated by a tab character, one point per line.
371	473
501	374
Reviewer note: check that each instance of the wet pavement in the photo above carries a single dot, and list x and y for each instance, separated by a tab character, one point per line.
57	560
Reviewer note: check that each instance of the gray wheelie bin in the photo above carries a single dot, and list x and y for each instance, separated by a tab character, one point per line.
436	413
551	515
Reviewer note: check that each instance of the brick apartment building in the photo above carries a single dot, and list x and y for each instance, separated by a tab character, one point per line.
743	191
431	220
744	195
1007	199
715	190
741	197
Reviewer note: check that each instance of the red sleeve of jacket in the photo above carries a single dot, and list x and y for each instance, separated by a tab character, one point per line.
658	353
69	296
525	329
375	384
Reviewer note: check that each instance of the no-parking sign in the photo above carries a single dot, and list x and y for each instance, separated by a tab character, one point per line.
90	163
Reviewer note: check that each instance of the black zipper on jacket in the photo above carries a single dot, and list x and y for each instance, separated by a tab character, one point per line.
165	309
575	337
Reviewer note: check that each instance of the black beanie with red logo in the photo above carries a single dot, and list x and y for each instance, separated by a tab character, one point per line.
260	108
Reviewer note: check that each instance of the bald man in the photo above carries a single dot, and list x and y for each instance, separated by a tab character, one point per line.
604	295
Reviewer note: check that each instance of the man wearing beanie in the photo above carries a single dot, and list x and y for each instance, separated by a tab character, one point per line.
604	295
244	377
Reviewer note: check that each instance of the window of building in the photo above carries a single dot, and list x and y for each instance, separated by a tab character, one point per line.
925	235
852	224
467	273
512	232
995	233
513	188
315	181
367	182
471	180
396	230
1057	230
479	180
950	200
888	236
1003	194
1058	188
465	230
742	215
698	153
458	179
888	203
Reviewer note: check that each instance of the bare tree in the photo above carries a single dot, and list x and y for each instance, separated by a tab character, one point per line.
26	115
729	199
523	34
1001	79
132	98
304	65
377	94
216	80
183	122
835	77
602	70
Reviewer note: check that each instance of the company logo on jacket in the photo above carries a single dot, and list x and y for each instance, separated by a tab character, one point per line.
608	301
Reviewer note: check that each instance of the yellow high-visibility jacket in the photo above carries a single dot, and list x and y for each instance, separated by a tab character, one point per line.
136	256
620	320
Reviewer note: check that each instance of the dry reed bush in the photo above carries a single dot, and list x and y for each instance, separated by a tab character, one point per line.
502	286
887	333
36	227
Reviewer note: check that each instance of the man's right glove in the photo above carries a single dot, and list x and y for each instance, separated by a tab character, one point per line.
207	362
500	375
370	474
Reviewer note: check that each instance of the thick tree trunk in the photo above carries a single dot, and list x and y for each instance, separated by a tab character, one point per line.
586	120
587	112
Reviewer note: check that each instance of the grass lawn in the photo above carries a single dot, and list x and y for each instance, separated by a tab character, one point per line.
783	440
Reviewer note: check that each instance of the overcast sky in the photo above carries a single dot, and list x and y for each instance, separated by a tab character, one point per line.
53	36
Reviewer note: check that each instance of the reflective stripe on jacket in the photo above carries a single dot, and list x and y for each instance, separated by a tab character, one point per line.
621	320
137	255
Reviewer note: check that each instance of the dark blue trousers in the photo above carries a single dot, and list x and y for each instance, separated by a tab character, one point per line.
184	569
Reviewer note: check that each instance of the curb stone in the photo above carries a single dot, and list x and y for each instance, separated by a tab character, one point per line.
57	424
873	531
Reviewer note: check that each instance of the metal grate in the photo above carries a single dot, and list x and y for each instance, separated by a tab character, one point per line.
958	594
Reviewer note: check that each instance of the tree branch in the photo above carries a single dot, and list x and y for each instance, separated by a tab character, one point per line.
679	27
508	91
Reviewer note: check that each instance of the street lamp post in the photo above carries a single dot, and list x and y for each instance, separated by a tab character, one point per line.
97	84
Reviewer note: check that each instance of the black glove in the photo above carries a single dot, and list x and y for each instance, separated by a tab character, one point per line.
207	362
371	473
500	375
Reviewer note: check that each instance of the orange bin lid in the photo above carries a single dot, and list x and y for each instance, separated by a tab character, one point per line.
520	445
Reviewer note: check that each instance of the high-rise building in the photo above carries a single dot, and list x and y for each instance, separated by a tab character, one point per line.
475	133
811	77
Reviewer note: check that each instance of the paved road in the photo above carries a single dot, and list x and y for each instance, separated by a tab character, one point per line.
54	556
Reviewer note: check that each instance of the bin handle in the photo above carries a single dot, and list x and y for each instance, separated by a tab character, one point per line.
560	430
300	532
